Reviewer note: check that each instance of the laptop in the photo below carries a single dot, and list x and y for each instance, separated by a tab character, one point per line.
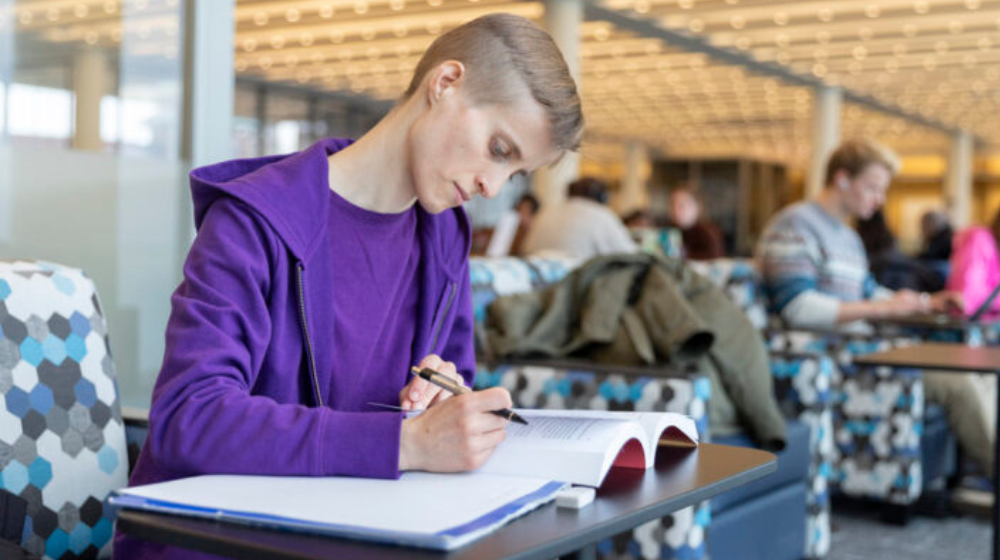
983	309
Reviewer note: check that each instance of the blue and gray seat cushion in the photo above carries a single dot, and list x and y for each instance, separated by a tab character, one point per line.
62	439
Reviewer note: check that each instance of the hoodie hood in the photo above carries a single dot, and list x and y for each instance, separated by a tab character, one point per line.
287	191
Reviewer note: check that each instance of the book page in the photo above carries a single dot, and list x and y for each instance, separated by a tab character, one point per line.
565	447
594	430
656	424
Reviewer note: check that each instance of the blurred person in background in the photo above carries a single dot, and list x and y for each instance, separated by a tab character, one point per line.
582	226
937	234
891	267
646	235
639	219
975	266
935	228
702	239
815	275
527	208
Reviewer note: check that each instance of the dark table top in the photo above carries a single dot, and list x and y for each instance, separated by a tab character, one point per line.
628	498
938	322
937	356
934	321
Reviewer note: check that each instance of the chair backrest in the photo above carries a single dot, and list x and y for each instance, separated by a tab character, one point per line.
62	440
492	277
741	282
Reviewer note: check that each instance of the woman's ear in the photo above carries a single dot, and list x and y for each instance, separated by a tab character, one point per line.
446	79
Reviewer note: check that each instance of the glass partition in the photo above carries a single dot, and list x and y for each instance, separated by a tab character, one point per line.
90	174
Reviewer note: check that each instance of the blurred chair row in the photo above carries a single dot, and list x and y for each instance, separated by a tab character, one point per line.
750	522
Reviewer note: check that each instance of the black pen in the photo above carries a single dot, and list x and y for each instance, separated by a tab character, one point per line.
449	384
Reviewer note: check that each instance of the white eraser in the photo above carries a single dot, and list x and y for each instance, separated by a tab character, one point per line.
575	497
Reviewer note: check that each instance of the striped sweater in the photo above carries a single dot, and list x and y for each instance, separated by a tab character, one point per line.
810	262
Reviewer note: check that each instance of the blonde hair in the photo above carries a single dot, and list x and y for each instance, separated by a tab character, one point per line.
854	156
499	50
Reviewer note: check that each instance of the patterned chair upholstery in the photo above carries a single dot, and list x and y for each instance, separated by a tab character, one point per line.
872	444
62	437
802	384
878	417
680	535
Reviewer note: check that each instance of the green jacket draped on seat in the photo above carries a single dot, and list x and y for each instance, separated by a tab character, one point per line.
638	309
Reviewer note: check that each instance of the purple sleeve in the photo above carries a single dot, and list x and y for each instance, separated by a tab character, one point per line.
460	344
203	418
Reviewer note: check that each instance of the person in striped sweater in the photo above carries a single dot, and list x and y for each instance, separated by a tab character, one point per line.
816	275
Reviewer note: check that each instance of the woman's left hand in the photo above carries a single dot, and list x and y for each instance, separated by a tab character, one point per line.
948	302
420	394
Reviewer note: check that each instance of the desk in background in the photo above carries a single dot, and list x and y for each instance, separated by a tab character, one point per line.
952	358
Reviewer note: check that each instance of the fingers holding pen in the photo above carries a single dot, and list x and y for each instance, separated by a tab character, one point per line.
460	434
421	394
447	369
415	392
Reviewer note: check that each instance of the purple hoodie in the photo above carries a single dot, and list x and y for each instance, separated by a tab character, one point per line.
240	386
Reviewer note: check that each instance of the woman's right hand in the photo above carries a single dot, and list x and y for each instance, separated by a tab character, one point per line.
459	434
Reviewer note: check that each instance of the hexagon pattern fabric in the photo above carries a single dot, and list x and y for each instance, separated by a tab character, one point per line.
62	440
803	386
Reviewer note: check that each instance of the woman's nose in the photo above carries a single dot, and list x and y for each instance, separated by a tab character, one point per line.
488	187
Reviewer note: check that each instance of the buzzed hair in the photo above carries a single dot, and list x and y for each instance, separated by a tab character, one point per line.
502	51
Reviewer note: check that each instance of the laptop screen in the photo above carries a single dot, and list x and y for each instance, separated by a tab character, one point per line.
986	305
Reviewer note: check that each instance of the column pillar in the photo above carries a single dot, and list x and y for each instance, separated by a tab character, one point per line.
7	25
209	81
633	193
825	135
90	82
562	19
959	184
209	86
7	56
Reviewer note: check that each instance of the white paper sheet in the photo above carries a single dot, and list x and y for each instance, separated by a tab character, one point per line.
416	509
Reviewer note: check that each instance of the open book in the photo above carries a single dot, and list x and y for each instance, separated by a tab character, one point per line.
441	511
580	446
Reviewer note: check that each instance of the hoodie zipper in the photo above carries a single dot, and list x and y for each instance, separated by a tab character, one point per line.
305	330
441	316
